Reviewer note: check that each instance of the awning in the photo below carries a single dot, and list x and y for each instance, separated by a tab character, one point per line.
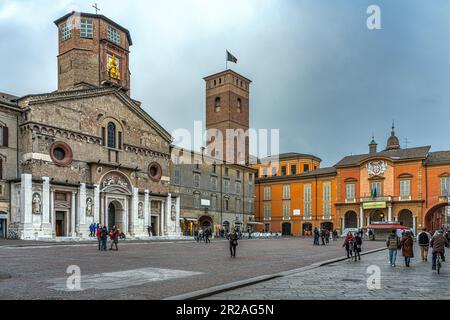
255	223
390	226
191	219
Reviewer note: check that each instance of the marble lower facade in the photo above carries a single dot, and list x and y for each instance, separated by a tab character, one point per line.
44	209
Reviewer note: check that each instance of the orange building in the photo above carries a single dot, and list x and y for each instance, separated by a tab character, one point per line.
410	186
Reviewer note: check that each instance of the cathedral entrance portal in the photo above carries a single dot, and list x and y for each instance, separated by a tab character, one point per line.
116	216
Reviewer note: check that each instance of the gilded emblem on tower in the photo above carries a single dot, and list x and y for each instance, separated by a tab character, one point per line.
113	67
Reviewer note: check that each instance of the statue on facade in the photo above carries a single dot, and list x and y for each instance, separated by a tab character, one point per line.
141	210
36	203
89	212
172	213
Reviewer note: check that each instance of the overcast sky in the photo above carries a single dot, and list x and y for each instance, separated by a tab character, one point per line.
318	73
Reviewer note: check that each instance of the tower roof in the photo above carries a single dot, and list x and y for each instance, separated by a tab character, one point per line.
96	16
393	143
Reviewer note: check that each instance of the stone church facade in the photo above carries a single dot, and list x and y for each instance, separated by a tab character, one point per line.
87	153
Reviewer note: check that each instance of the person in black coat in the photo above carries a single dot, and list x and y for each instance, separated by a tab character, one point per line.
233	238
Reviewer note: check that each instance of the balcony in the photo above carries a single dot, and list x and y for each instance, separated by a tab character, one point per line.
377	199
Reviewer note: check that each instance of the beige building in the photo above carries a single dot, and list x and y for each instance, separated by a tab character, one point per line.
87	153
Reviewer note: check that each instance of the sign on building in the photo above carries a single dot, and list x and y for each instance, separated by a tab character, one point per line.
374	205
206	203
297	212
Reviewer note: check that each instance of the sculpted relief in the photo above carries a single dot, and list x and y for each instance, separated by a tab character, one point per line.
115	179
150	140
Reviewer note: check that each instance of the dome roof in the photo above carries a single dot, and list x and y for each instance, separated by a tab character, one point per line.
393	143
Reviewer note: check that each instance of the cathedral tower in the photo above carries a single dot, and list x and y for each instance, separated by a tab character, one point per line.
93	50
227	111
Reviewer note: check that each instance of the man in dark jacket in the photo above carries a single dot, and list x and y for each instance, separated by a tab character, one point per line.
423	239
438	243
104	238
393	244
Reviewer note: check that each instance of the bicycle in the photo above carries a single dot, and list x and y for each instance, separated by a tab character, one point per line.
438	263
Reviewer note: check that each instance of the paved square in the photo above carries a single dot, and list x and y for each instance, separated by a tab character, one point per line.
347	280
33	270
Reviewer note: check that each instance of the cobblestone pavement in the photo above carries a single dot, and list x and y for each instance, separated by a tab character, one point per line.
168	269
348	280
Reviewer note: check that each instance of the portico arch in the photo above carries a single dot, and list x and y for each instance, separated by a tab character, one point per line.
116	215
350	220
405	218
436	217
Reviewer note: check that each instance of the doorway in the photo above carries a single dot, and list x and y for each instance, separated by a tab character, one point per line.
154	226
111	216
2	228
286	229
60	223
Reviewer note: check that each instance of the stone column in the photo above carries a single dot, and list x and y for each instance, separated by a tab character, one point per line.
177	216
361	216
105	211
73	212
96	203
368	220
52	212
46	223
26	203
147	218
415	225
390	213
81	221
134	211
162	230
168	214
343	224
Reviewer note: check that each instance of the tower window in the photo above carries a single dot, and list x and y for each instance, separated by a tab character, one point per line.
111	135
113	35
217	104
239	105
215	82
86	28
66	32
220	80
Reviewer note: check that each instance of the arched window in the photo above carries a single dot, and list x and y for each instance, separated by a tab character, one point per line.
217	104
239	105
111	135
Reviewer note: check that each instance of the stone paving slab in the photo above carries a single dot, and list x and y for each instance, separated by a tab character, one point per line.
347	280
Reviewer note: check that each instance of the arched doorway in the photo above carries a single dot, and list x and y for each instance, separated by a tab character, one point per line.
405	218
436	218
327	226
205	223
307	229
376	216
3	231
226	226
350	220
116	216
286	229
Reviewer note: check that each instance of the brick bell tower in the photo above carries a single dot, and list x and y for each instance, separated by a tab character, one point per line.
93	50
227	107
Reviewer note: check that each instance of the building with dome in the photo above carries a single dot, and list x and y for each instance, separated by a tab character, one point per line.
405	185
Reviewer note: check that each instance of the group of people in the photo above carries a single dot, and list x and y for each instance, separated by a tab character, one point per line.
93	228
113	234
353	245
437	243
324	235
203	235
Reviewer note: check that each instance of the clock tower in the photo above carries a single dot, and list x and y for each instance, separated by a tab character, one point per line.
93	51
227	116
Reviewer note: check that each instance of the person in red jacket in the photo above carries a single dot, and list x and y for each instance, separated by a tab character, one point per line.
98	237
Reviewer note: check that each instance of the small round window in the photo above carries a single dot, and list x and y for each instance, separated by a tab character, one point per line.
61	153
155	171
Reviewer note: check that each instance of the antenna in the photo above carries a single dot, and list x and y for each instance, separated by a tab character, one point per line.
406	142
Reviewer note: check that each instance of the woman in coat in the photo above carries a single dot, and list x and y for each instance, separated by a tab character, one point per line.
348	244
407	245
233	238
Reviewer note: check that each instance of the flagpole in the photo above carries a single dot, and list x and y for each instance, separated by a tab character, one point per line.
226	60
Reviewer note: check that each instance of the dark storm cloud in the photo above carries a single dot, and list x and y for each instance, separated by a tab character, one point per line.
319	74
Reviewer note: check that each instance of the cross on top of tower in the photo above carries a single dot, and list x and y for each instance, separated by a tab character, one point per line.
97	9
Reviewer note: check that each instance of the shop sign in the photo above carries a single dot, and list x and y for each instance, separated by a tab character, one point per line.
374	205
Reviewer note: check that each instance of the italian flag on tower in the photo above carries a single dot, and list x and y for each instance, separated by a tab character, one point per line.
231	58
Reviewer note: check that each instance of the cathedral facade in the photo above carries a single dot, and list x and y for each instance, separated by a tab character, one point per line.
86	153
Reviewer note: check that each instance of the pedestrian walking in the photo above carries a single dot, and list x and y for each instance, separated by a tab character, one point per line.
91	230
233	238
201	234
423	239
99	239
407	245
114	235
316	237
207	235
357	246
393	244
335	235
348	245
438	244
149	231
322	236
103	238
196	236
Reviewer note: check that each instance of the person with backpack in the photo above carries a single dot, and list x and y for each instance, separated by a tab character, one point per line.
423	239
316	237
393	244
207	235
407	245
233	238
97	233
357	246
348	244
104	238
